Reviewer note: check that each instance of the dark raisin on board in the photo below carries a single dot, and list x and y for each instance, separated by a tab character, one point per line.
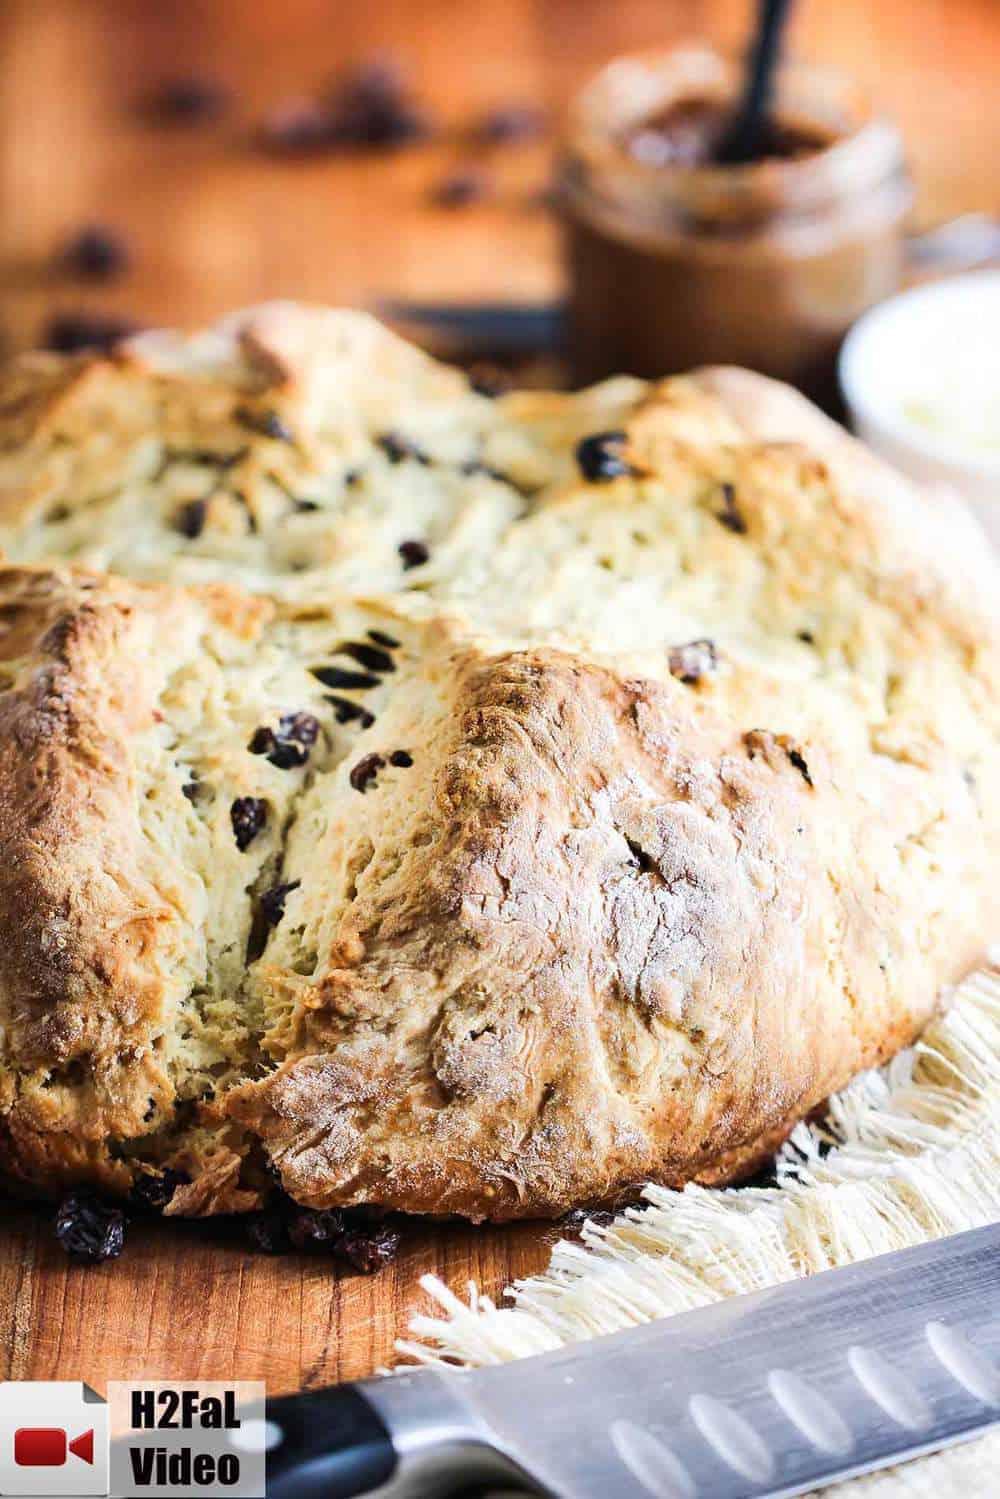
601	457
381	638
267	1231
730	515
397	447
351	1235
89	1229
367	108
508	124
364	773
414	554
371	106
381	125
190	519
297	127
95	252
461	188
74	332
315	1228
371	1249
153	1190
371	657
289	744
402	759
186	100
381	76
339	676
268	423
248	814
691	662
344	711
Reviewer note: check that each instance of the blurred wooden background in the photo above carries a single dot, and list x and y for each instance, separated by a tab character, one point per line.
215	223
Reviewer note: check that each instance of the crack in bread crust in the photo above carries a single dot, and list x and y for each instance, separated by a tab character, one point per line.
619	830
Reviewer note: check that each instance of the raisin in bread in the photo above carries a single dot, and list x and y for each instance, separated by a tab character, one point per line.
604	854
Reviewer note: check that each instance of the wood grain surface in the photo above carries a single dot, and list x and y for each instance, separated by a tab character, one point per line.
188	1301
215	223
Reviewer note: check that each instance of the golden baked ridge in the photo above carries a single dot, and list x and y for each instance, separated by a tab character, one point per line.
601	847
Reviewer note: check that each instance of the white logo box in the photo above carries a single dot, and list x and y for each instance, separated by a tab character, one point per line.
53	1439
59	1439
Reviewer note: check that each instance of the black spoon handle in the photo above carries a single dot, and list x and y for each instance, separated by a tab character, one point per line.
742	139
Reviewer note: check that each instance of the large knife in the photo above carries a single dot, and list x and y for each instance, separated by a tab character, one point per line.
767	1394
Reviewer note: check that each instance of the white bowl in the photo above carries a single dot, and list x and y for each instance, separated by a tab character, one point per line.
937	345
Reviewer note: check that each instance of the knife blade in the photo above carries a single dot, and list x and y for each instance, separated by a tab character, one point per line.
772	1393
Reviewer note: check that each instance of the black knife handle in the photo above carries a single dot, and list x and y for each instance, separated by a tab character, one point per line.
333	1445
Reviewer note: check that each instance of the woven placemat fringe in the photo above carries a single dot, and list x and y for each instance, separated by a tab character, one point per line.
904	1155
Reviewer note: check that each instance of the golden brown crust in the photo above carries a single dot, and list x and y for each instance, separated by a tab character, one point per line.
693	813
77	914
630	944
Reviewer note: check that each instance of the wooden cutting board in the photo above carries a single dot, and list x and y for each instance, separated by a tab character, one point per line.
188	1301
183	1303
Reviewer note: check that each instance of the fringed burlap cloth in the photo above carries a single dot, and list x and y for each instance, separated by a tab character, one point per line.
906	1154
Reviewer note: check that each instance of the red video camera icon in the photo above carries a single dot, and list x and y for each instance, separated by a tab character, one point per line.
47	1446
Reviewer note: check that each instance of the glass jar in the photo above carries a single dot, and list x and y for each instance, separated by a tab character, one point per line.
766	265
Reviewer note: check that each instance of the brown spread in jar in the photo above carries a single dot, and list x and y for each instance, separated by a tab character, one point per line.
677	260
689	131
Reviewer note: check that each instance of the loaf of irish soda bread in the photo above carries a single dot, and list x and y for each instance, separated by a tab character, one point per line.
600	846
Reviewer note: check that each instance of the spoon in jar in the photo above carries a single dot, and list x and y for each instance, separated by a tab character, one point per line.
741	141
